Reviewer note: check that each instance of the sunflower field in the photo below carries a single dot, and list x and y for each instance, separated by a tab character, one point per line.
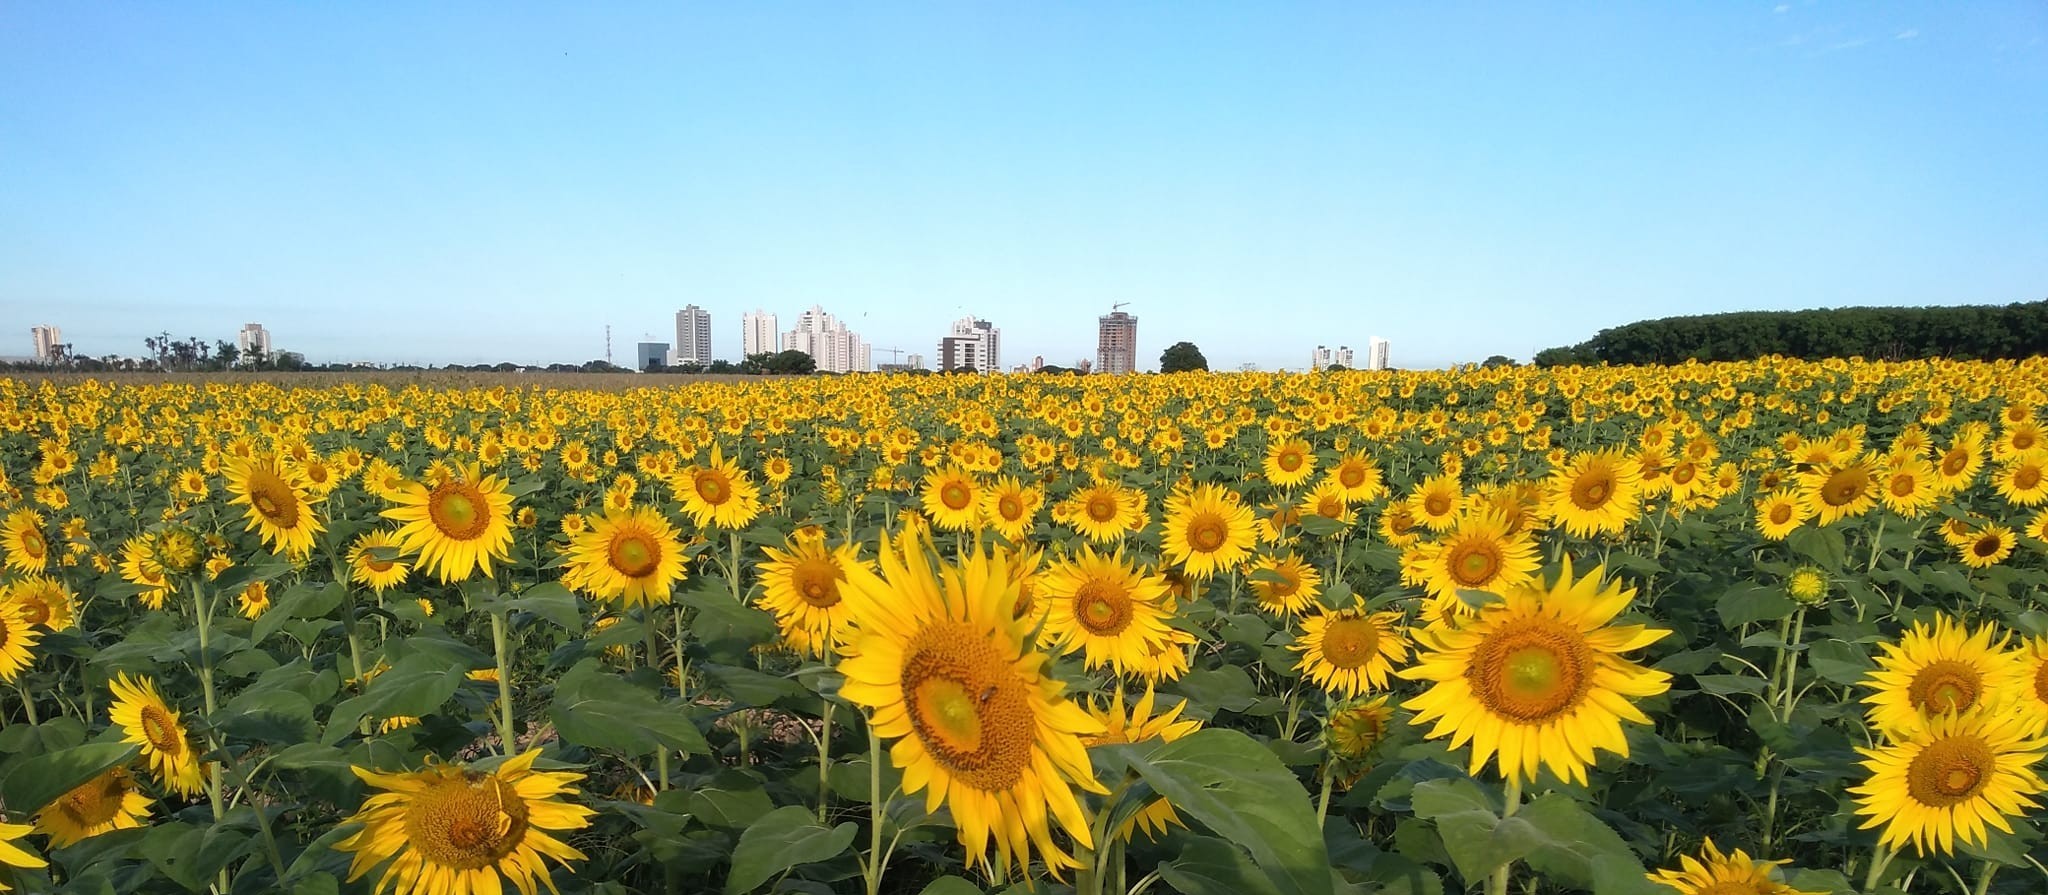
1772	627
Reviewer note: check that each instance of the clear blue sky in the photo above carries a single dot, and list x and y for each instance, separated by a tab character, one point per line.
460	182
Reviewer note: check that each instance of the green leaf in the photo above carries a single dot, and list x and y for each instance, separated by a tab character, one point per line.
1727	684
784	838
749	687
272	716
37	782
1753	603
415	687
1210	866
1227	688
297	601
598	709
1228	783
1839	661
729	801
1570	840
1474	834
950	885
1320	526
1824	546
550	601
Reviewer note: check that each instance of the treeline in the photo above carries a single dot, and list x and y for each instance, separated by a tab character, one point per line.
1969	332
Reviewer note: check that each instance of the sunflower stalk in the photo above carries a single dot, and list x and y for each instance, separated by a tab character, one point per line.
1984	878
504	713
654	664
1511	800
28	703
1880	858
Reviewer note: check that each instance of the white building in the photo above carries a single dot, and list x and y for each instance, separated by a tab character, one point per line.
828	341
1376	354
1319	358
913	361
46	339
253	339
693	336
758	330
972	344
1344	357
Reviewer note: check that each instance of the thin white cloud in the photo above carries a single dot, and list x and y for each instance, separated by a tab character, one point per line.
1782	8
1907	34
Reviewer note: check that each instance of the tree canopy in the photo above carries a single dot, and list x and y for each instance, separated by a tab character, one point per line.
1967	332
1182	357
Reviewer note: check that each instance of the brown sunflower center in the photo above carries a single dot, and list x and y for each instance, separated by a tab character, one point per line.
1351	475
1684	474
1953	462
1289	583
1734	887
96	802
816	580
1591	490
1844	486
1945	686
1904	484
466	821
2026	477
2041	682
459	510
2023	440
377	565
1436	504
1290	460
1330	507
955	495
1986	546
1102	608
1951	770
1010	508
1474	562
273	498
1531	672
1102	508
634	555
34	610
1208	532
33	543
712	488
1781	513
162	732
1350	641
969	706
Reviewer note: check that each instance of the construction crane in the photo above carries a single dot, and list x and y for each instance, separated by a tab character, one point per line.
1118	305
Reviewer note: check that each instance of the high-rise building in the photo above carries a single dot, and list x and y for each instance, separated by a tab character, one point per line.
651	356
1116	343
758	331
913	361
1319	358
693	336
1343	357
46	339
253	339
1376	354
972	344
827	340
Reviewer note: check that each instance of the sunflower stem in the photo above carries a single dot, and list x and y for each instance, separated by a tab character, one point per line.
1879	859
1511	802
28	704
733	571
654	664
877	861
1323	800
504	719
1984	878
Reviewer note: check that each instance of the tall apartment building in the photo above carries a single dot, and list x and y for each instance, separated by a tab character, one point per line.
1116	343
972	344
253	339
1320	358
1376	354
46	339
828	341
913	361
693	336
1344	357
758	332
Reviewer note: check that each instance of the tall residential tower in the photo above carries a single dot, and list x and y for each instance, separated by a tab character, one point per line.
693	336
758	333
1116	343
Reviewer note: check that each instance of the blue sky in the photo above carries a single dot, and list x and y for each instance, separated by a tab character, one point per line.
463	182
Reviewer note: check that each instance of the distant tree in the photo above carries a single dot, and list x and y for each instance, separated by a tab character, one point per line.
602	366
1182	357
289	361
723	366
791	362
1336	368
1499	360
755	364
225	353
687	367
1053	370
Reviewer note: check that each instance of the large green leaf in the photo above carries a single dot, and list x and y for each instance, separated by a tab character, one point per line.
550	601
1227	782
598	709
43	779
415	687
1570	840
297	601
784	838
1211	866
1753	603
1472	830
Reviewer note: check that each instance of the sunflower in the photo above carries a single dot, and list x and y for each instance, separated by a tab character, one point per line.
373	561
1779	513
801	585
147	721
17	636
1289	462
1168	661
1940	671
718	493
1960	462
254	599
1285	585
948	673
447	829
110	801
1138	724
139	566
42	602
12	852
1344	651
1715	873
1436	502
1595	492
630	557
952	498
1208	530
279	505
1538	678
1908	486
459	526
2023	481
1009	507
1105	511
1840	490
1479	555
1353	730
1103	604
1987	546
1360	478
1952	778
1808	586
22	539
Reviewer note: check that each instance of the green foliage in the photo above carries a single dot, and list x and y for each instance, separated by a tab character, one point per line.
1182	357
1983	332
